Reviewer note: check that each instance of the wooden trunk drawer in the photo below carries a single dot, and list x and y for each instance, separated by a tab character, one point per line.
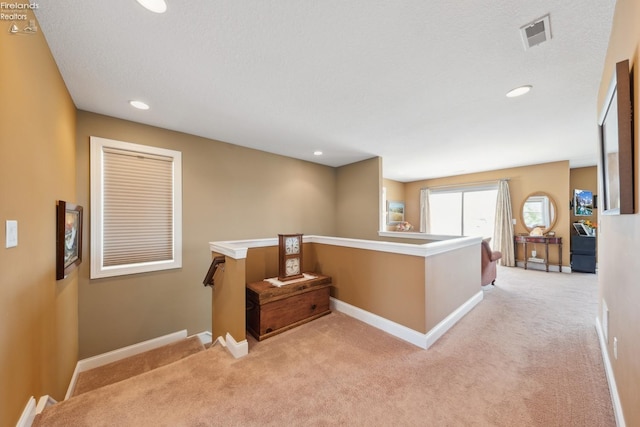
269	314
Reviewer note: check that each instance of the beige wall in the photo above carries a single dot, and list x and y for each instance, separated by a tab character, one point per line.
38	315
359	187
229	193
389	285
552	178
619	236
451	282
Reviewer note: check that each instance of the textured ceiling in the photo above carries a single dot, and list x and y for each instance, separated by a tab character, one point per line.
420	83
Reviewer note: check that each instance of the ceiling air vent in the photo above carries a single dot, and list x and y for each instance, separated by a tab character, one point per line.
536	32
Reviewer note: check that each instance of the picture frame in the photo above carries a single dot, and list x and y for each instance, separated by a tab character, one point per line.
616	145
68	238
582	202
395	212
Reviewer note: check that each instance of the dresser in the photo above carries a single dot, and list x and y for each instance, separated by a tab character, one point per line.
583	254
275	309
546	241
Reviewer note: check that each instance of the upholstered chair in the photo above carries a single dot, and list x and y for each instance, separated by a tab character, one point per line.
489	260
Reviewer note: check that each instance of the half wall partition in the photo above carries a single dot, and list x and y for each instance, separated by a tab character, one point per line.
413	291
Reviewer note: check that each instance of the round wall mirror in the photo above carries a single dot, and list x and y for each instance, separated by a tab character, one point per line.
539	210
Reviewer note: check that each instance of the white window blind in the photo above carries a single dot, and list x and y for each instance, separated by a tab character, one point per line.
135	208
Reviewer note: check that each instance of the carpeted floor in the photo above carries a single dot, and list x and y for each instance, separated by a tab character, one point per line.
527	355
112	373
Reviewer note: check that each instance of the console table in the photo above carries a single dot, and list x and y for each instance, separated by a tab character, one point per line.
546	241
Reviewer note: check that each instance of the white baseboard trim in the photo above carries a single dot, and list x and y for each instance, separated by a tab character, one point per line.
397	330
28	413
237	349
447	323
404	333
121	353
44	402
206	337
613	388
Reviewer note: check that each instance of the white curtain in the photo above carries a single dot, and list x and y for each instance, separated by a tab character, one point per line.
424	211
503	226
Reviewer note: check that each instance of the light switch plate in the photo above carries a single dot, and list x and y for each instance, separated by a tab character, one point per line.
12	233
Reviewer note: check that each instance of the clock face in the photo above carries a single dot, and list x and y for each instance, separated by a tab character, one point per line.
292	246
292	266
290	256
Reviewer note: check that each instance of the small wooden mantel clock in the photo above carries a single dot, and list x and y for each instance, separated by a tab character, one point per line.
289	257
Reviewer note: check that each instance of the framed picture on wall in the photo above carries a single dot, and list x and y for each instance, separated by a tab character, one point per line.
395	212
582	202
68	238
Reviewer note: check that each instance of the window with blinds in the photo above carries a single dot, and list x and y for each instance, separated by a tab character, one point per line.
135	208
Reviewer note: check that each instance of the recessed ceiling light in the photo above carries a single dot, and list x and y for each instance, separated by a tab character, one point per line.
317	153
519	91
157	6
139	105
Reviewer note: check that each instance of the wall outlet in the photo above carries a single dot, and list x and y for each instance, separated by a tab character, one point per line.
514	221
615	348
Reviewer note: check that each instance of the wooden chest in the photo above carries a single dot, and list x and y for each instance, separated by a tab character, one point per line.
272	309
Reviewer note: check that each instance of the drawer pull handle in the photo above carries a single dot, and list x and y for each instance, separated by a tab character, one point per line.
301	288
313	307
268	330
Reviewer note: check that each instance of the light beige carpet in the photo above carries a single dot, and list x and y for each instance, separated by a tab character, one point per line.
527	355
135	365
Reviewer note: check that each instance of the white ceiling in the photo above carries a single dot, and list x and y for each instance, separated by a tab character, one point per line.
420	83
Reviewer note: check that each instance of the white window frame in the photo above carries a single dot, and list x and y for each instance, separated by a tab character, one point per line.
98	270
462	189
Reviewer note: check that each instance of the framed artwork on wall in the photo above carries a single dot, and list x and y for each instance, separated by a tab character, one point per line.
395	212
68	238
583	202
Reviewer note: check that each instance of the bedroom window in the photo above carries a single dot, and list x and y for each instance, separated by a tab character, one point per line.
136	208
